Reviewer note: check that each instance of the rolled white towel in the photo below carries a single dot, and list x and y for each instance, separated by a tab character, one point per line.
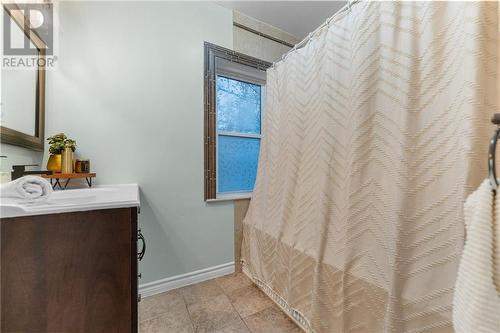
28	188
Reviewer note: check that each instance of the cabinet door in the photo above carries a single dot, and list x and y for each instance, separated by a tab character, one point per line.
68	272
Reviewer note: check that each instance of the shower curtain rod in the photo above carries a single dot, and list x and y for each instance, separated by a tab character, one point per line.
309	37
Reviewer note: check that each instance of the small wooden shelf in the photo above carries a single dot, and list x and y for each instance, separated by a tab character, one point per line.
68	176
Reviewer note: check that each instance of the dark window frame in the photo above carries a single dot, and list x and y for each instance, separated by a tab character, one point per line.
211	53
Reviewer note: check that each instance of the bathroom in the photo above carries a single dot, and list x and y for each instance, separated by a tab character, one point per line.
248	166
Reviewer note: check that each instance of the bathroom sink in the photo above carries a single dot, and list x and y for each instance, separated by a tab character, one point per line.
97	197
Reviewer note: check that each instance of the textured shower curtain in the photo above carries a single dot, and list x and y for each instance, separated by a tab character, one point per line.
374	134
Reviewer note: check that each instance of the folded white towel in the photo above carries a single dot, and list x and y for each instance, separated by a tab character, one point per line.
27	188
476	303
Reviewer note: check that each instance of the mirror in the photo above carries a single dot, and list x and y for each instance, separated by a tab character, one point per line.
19	100
23	92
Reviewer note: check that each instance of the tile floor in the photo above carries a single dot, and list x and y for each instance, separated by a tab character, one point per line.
230	304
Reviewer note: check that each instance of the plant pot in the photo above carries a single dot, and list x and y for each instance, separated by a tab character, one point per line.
54	163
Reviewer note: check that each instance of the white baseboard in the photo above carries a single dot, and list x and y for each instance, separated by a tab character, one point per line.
178	281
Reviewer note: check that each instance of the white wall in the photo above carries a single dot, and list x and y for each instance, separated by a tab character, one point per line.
128	86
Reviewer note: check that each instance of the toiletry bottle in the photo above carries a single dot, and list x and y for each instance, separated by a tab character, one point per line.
67	160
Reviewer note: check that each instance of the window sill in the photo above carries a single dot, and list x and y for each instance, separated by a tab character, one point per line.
232	196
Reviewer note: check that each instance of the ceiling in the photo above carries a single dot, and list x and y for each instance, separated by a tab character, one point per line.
295	17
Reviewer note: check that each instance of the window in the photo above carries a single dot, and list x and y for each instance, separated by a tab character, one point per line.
234	96
238	112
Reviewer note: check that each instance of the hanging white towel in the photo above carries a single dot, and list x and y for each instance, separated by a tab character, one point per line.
476	303
27	188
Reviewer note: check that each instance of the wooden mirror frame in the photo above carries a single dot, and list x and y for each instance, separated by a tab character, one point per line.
9	135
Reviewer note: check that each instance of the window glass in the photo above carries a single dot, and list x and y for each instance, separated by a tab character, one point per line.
238	106
237	163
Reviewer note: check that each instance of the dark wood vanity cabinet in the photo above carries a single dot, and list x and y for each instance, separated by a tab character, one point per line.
70	272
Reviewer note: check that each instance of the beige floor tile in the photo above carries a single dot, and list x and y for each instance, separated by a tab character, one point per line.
215	306
238	327
249	300
165	323
232	282
271	320
171	302
200	291
213	313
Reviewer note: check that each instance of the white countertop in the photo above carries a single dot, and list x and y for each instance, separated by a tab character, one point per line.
76	200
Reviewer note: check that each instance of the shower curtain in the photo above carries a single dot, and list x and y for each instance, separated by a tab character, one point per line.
374	134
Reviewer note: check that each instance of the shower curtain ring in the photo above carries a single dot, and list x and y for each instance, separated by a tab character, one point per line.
309	37
329	21
492	172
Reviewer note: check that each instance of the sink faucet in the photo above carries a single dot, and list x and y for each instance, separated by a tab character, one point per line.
20	170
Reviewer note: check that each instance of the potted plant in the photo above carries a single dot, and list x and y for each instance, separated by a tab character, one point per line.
57	143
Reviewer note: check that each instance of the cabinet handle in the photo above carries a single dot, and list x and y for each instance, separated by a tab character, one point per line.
140	255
